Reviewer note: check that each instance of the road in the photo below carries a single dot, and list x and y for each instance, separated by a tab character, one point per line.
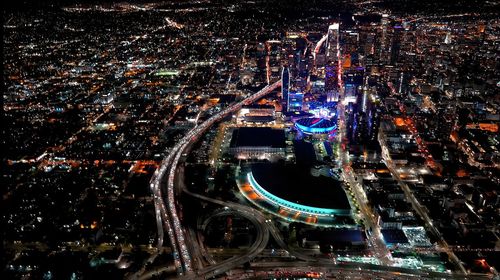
376	241
167	213
374	235
180	149
263	225
165	209
421	211
317	48
368	271
255	217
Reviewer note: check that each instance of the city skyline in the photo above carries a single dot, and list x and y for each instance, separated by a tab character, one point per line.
251	140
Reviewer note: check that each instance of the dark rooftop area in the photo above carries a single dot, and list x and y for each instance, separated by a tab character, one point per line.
304	152
394	236
258	137
297	185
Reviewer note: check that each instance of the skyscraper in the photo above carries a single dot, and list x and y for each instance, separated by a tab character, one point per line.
331	78
285	85
295	102
383	40
396	44
332	42
332	61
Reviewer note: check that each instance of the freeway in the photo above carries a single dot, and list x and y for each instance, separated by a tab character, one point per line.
262	239
156	271
203	249
160	210
166	212
369	270
180	149
259	219
254	216
317	48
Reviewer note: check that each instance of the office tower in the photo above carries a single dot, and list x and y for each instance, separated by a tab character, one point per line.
332	42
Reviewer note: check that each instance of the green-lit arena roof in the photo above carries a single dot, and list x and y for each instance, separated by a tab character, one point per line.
291	187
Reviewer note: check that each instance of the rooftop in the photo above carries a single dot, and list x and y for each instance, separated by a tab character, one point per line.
297	185
258	137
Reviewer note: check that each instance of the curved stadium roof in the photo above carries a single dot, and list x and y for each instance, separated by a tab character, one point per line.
295	188
316	125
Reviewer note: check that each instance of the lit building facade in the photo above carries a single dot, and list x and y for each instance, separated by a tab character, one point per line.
295	102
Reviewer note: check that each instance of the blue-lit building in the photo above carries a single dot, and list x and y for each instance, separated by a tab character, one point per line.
353	82
316	125
295	101
331	78
354	76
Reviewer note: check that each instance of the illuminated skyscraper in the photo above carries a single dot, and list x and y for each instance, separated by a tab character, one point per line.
447	38
295	102
396	44
332	59
383	40
331	78
353	82
332	43
364	98
285	85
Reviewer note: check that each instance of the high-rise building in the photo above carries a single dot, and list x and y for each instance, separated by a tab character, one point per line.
354	76
368	44
364	120
447	38
295	101
331	78
353	82
332	43
332	59
396	44
373	122
364	97
361	134
285	85
384	38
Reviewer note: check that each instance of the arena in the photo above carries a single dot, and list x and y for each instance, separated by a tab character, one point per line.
316	125
294	194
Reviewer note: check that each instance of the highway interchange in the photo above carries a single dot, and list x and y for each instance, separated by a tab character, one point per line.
166	213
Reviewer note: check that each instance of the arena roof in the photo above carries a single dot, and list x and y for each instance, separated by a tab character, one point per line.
297	185
316	125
